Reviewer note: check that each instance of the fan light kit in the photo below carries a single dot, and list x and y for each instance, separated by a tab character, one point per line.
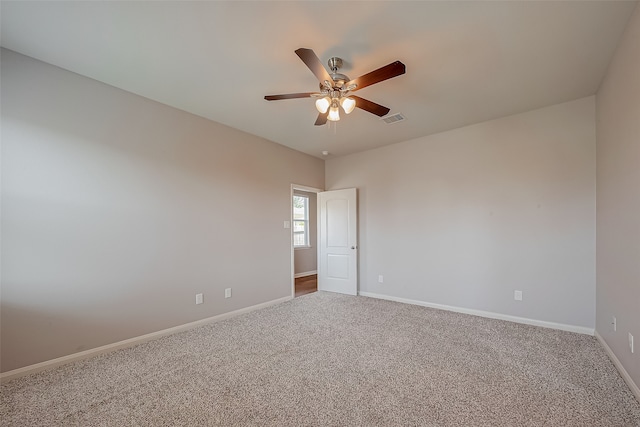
335	97
336	88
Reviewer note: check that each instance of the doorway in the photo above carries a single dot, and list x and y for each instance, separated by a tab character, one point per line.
306	285
304	240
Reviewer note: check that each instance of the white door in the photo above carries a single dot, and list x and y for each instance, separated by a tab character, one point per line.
338	245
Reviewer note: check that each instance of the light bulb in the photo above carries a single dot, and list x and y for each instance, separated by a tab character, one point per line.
322	105
334	114
348	104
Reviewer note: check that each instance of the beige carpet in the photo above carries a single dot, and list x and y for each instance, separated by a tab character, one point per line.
332	360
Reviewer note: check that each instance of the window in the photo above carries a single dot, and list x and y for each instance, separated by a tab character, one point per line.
300	221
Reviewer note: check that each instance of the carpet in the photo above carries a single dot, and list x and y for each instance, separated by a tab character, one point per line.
333	360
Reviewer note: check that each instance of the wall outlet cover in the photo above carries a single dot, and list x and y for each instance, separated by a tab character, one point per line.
517	295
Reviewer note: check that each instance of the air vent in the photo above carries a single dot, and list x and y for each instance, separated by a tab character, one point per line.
393	119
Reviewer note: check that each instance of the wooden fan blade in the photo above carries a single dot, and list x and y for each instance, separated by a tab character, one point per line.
289	96
381	74
370	106
322	119
312	61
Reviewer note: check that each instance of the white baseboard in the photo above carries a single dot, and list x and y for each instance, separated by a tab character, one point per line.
50	364
305	274
489	314
623	372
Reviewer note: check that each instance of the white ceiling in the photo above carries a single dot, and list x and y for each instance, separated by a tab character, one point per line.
467	62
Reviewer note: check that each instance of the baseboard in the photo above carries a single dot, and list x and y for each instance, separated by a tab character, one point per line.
50	364
305	274
489	314
623	372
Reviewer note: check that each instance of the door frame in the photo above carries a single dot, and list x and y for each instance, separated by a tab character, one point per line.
292	262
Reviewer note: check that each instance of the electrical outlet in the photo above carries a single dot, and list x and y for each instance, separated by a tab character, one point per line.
517	295
613	323
380	279
199	299
227	293
631	342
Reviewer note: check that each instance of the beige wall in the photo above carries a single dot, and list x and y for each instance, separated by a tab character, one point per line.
618	208
465	217
306	259
117	210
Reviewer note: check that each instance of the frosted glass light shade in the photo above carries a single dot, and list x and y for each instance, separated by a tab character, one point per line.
334	114
322	105
348	104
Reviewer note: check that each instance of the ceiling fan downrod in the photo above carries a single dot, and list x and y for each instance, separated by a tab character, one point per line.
339	79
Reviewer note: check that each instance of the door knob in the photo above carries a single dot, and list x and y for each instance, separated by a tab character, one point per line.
353	247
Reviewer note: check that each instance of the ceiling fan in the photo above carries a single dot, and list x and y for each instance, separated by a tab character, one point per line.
336	88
